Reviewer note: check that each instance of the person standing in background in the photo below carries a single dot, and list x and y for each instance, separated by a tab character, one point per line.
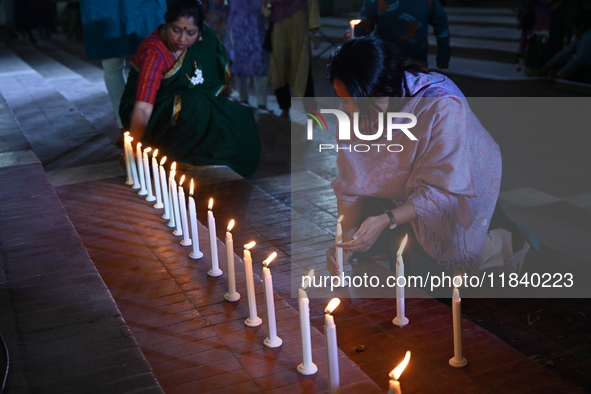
113	29
290	59
244	39
405	23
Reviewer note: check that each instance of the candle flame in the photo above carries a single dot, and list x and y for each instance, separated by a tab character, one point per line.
332	305
155	153
210	205
340	219
127	134
396	372
231	225
182	180
163	161
148	149
402	245
192	188
129	139
355	22
457	281
139	145
250	245
311	275
269	259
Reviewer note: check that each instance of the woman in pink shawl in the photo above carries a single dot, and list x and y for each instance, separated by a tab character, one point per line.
441	188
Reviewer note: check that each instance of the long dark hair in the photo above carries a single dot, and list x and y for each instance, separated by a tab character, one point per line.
185	8
371	67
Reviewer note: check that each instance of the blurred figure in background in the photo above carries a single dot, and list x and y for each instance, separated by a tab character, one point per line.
244	40
113	29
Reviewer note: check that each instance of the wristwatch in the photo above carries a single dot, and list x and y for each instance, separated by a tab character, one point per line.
393	223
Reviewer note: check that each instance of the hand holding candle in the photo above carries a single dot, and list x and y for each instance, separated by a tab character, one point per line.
272	339
458	360
253	320
232	295
157	189
186	241
165	189
400	319
307	367
332	349
353	23
394	386
213	242
196	253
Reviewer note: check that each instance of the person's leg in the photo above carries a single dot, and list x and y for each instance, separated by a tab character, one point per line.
284	100
242	83
114	73
260	86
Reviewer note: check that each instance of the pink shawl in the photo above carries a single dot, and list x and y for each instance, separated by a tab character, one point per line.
451	174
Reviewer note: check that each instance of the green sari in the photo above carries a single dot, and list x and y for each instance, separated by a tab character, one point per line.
198	124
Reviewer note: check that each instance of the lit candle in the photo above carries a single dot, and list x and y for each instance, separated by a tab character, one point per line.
156	173
131	161
186	241
213	242
458	360
164	185
330	336
147	175
307	367
253	320
175	220
400	319
232	295
354	23
196	253
272	339
338	240
140	169
129	179
394	386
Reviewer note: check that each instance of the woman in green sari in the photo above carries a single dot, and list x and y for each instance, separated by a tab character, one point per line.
176	96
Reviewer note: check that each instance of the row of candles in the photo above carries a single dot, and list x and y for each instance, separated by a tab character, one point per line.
171	198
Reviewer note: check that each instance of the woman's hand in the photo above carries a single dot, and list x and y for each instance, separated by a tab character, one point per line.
331	261
367	234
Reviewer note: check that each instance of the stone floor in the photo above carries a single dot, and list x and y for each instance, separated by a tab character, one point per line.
54	111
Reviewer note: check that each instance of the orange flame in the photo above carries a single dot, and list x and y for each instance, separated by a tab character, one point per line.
148	149
402	246
269	259
210	205
250	245
396	372
354	22
192	188
332	305
231	225
155	153
182	180
163	161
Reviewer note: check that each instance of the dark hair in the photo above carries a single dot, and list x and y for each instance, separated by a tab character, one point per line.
185	8
370	67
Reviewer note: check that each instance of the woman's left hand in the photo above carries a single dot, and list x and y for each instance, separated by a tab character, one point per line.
367	234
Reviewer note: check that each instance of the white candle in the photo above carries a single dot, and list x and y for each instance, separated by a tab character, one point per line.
272	339
353	23
394	384
232	295
157	189
307	367
175	220
339	239
213	242
186	241
400	319
150	196
253	320
140	169
458	360
196	253
129	180
332	349
164	186
132	163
